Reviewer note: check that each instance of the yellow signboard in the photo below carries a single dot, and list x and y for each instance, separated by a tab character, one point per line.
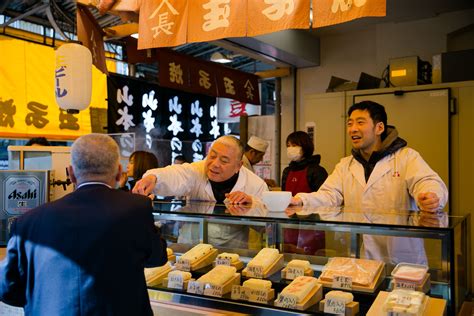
27	98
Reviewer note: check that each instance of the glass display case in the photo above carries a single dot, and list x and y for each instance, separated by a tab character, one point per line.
439	241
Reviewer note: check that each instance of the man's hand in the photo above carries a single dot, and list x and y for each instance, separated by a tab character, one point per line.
428	202
238	197
145	186
296	201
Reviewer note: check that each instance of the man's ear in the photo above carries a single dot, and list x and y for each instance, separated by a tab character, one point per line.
379	128
72	176
119	173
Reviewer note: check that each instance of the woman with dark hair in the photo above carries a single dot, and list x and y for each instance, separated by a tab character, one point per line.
138	163
303	175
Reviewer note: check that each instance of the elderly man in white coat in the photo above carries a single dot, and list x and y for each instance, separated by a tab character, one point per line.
381	174
219	178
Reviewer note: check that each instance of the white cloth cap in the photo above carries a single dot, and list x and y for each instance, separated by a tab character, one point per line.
258	144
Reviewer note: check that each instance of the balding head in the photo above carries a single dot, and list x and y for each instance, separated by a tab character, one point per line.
95	157
232	142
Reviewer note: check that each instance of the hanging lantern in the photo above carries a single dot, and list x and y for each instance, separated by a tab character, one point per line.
73	77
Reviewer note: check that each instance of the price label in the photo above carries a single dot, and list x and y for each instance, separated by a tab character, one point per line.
183	265
195	287
294	272
239	293
213	290
254	272
396	314
286	301
335	306
342	282
404	300
175	281
222	262
404	285
258	296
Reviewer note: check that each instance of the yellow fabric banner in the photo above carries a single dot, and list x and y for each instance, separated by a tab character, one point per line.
162	23
278	15
27	100
216	19
330	12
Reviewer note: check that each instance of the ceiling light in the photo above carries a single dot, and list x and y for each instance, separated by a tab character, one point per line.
218	57
134	35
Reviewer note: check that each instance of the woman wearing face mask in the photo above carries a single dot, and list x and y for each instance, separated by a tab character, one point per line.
303	175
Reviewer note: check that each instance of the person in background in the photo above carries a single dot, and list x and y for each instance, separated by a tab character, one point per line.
303	175
138	163
179	160
84	254
381	174
38	141
254	152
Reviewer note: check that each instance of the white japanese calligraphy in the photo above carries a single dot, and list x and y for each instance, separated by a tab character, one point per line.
218	15
174	105
345	5
158	9
196	109
196	129
148	141
163	25
149	120
176	144
278	8
175	125
127	144
227	130
215	129
125	119
213	110
197	148
149	100
122	96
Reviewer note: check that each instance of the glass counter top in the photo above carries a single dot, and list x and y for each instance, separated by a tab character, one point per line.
299	214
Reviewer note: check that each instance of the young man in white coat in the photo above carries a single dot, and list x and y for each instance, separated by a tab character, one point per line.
381	174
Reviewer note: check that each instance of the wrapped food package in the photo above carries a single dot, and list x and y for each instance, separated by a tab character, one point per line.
410	272
185	275
362	271
406	302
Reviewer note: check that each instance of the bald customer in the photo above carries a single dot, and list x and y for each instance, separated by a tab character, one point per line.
220	177
85	253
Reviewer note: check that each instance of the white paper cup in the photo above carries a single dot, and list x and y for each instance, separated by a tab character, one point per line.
276	201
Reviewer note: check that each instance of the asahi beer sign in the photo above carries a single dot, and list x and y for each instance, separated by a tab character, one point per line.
21	193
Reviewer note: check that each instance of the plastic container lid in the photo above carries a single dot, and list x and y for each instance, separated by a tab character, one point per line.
410	272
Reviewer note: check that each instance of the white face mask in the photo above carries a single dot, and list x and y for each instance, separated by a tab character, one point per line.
294	153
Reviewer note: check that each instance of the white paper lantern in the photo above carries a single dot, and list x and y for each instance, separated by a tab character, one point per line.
73	77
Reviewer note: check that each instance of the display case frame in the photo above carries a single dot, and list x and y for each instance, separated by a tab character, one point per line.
450	233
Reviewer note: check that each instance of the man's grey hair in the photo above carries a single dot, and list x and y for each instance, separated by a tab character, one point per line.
95	157
234	142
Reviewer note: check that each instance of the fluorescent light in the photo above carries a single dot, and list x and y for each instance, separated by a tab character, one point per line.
134	35
220	58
